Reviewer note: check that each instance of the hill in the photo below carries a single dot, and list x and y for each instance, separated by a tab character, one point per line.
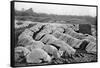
30	15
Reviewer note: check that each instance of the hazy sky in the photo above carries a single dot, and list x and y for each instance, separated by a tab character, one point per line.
57	9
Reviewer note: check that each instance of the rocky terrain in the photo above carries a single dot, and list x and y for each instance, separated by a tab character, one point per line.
53	43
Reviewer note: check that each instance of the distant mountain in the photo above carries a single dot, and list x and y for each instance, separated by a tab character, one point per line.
28	12
31	12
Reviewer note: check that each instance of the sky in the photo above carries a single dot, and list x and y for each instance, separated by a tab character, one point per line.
57	9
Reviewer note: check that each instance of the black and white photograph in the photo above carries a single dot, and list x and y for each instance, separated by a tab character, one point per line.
53	33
